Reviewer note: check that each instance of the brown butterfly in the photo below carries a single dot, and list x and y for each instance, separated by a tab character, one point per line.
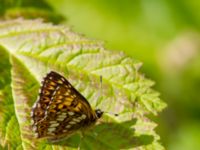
60	109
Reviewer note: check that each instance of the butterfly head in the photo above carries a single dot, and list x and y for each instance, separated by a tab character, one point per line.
99	113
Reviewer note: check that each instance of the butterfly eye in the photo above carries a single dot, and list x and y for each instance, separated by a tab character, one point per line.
99	113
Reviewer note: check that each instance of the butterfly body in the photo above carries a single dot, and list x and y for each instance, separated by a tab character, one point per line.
60	109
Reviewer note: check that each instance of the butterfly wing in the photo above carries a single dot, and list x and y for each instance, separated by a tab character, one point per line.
60	109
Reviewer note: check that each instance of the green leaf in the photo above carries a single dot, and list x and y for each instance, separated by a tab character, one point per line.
32	13
31	48
30	9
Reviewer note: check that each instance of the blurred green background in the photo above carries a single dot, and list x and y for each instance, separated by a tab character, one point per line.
163	34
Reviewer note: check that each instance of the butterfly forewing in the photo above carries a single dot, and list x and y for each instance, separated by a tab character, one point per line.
60	108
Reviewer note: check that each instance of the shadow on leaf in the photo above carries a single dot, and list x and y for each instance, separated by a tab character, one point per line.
109	136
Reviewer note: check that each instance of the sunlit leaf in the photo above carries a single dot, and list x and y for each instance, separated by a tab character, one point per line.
33	48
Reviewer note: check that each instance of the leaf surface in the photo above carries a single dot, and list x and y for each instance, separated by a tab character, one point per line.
31	48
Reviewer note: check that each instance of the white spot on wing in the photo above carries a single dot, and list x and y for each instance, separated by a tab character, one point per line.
52	122
63	115
72	122
71	113
34	106
54	125
60	119
76	119
68	126
51	129
58	113
83	116
62	79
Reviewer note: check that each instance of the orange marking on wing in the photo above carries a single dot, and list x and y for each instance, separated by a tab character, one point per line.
60	106
69	99
46	92
51	87
67	103
52	83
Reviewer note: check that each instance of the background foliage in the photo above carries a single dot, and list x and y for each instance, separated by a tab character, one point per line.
164	34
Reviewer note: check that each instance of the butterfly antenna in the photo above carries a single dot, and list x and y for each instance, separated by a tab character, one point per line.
111	113
101	81
99	91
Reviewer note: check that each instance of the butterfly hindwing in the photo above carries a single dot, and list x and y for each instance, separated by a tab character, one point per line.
60	109
45	94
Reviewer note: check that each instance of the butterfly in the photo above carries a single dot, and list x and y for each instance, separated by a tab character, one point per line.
60	109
